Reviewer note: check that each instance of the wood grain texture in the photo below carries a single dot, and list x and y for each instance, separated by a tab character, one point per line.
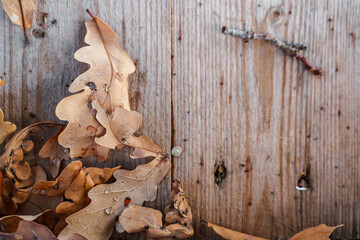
265	117
245	104
38	75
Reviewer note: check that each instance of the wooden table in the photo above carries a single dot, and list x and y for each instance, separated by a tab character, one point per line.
243	104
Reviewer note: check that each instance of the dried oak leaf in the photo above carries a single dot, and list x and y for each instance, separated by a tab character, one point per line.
69	176
138	218
178	201
37	203
59	186
74	182
97	220
57	153
320	232
230	234
109	66
10	223
6	128
100	175
178	219
106	82
120	126
15	11
28	230
80	133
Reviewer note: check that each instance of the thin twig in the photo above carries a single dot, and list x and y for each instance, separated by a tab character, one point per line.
291	48
23	22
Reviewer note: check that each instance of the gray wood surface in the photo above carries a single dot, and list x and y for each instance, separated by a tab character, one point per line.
245	104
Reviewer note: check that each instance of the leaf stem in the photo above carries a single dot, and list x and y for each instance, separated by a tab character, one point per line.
291	48
23	22
89	12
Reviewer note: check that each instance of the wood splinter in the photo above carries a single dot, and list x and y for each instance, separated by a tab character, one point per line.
291	48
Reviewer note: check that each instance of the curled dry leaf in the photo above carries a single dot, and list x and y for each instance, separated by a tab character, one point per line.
320	232
178	201
73	182
28	230
68	176
10	223
11	160
100	175
97	220
35	204
105	81
230	234
14	193
178	219
6	128
57	153
138	218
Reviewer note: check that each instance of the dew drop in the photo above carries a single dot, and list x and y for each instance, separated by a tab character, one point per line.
116	199
14	17
108	191
109	211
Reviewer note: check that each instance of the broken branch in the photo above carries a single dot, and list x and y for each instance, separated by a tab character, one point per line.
291	48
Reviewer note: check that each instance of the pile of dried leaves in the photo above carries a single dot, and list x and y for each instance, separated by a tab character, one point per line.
98	115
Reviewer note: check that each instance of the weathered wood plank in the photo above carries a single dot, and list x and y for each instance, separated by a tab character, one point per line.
245	104
38	75
258	111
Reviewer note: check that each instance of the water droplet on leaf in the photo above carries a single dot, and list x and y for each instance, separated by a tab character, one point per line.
109	211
